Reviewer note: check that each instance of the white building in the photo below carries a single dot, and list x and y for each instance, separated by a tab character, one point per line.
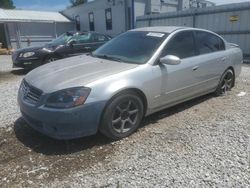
117	16
21	28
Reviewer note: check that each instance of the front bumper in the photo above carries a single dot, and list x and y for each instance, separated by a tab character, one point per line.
26	63
62	123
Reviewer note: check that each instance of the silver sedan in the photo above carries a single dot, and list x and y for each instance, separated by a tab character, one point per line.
134	75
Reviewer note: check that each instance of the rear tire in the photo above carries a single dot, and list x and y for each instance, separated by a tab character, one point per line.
226	83
122	116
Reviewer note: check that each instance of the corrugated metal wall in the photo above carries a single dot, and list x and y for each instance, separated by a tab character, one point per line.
230	21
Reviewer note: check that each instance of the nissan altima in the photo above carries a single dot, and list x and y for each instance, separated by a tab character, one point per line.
132	76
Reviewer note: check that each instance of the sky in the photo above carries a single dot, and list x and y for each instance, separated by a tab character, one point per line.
43	5
57	5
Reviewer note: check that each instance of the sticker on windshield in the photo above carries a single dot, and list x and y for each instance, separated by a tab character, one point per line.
156	35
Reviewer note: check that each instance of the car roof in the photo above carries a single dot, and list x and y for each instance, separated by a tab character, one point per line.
83	32
164	29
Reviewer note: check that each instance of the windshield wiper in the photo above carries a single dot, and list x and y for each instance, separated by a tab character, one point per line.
109	57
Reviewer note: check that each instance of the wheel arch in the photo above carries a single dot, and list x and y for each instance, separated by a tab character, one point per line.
52	55
139	92
232	69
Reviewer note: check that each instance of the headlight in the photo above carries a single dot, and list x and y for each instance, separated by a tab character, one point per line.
28	54
68	98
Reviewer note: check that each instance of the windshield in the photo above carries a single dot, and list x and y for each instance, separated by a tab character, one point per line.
133	47
62	39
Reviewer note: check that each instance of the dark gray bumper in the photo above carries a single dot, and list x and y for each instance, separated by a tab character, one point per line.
63	124
26	64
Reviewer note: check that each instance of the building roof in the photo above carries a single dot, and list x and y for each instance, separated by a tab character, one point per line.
165	29
31	16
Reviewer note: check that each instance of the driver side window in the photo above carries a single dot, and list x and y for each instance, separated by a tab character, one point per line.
181	45
83	38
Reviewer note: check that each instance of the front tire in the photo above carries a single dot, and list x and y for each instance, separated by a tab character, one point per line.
122	116
49	60
226	83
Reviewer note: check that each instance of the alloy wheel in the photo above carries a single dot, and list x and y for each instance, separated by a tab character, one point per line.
125	116
227	82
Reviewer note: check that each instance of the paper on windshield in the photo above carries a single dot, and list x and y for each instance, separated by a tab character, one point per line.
156	34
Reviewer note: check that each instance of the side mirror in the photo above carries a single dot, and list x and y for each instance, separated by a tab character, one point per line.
170	60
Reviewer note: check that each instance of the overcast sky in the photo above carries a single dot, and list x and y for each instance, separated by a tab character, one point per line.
56	5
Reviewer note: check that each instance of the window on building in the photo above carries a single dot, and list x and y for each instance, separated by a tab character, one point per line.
91	21
181	45
108	14
77	20
208	42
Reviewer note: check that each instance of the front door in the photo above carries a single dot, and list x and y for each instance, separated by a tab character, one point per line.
82	44
178	82
98	40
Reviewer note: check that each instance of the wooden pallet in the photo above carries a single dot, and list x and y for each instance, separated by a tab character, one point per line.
4	51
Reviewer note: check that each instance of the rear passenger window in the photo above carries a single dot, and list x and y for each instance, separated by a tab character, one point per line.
181	45
208	42
222	44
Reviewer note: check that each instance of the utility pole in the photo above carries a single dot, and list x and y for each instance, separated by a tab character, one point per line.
133	14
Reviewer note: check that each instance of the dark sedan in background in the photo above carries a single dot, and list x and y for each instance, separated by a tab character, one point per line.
66	45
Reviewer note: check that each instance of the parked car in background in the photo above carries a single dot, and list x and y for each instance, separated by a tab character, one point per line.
134	75
66	45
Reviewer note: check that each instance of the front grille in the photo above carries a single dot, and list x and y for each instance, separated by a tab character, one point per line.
30	93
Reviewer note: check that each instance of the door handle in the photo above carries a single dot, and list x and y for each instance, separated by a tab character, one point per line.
87	48
223	59
195	68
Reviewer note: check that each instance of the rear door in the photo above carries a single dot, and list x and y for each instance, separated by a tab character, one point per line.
212	58
178	81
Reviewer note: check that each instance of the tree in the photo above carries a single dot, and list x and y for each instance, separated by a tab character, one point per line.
77	2
7	4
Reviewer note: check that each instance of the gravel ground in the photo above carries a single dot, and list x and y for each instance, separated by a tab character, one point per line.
9	82
201	143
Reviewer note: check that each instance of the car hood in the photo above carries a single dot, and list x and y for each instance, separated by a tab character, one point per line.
37	48
30	49
73	72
